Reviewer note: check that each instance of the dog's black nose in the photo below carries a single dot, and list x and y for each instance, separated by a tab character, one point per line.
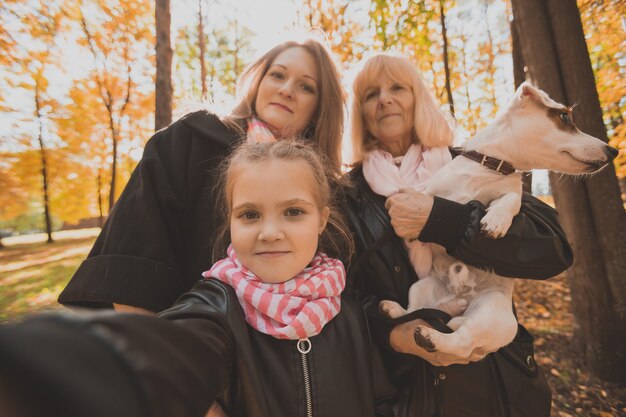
611	152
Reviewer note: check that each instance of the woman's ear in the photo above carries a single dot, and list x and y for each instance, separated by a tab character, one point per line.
324	214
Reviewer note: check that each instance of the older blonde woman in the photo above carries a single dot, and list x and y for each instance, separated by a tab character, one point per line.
400	138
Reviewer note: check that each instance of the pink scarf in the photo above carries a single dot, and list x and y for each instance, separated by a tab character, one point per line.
386	179
258	132
295	309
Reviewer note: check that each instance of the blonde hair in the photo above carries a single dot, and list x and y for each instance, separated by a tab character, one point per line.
326	127
432	126
335	240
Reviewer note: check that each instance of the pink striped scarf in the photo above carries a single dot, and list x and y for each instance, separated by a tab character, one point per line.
295	309
386	179
258	132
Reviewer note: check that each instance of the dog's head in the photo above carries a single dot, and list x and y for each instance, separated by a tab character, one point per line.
545	131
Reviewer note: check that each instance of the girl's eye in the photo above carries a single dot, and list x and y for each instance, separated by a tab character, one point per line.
397	87
293	212
249	215
565	118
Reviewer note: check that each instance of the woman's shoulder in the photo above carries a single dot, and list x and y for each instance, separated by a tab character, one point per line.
214	126
354	176
354	183
201	124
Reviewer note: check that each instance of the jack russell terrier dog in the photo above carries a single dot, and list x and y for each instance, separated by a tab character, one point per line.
533	132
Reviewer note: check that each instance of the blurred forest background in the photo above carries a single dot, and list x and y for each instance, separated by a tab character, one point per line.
77	80
79	86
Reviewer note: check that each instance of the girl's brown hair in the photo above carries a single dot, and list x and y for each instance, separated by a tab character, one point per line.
326	127
336	240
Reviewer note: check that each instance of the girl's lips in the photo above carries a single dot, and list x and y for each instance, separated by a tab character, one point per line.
281	106
272	254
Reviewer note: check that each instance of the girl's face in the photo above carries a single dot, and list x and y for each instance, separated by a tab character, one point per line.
275	220
388	112
288	93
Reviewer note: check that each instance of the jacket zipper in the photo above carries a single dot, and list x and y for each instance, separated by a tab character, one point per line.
304	347
439	379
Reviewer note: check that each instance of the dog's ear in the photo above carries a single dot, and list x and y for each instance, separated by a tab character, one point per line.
527	92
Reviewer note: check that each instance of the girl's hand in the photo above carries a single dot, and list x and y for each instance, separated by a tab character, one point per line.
409	211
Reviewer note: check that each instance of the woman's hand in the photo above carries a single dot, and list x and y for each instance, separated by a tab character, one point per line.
409	211
402	338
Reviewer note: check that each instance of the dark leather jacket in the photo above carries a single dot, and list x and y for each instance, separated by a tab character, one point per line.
269	377
134	365
535	247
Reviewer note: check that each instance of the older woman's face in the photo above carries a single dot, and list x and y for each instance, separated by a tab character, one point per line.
389	114
288	93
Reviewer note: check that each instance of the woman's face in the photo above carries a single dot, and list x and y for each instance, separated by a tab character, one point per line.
288	93
389	113
275	220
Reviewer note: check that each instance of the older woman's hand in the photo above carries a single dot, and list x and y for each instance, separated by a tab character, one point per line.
402	338
409	211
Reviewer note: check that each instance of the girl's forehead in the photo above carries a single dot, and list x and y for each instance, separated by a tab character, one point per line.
275	179
296	169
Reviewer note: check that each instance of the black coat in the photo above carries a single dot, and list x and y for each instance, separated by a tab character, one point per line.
159	237
177	364
535	247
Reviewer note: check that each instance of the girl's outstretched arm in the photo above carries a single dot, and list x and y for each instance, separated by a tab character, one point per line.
112	364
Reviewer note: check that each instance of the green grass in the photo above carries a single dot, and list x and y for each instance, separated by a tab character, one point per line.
33	275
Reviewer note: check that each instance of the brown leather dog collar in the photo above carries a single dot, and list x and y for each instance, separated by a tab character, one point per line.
495	164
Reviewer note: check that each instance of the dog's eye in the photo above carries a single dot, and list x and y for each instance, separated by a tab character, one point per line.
565	118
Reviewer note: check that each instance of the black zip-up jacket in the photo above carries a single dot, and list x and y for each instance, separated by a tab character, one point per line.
534	247
178	363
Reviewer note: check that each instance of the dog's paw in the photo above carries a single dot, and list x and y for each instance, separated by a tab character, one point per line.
391	309
423	339
495	224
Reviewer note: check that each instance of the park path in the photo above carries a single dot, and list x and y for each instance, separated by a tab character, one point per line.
19	254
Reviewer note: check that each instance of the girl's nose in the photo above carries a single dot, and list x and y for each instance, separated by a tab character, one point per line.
270	232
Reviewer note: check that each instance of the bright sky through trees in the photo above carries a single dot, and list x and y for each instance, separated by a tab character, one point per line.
73	118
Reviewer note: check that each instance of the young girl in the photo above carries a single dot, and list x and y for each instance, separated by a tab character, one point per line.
267	333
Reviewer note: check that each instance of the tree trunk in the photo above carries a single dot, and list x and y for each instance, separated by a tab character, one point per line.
114	140
202	48
44	167
113	177
100	213
519	76
590	209
446	64
163	86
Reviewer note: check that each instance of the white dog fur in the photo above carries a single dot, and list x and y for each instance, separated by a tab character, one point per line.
533	132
